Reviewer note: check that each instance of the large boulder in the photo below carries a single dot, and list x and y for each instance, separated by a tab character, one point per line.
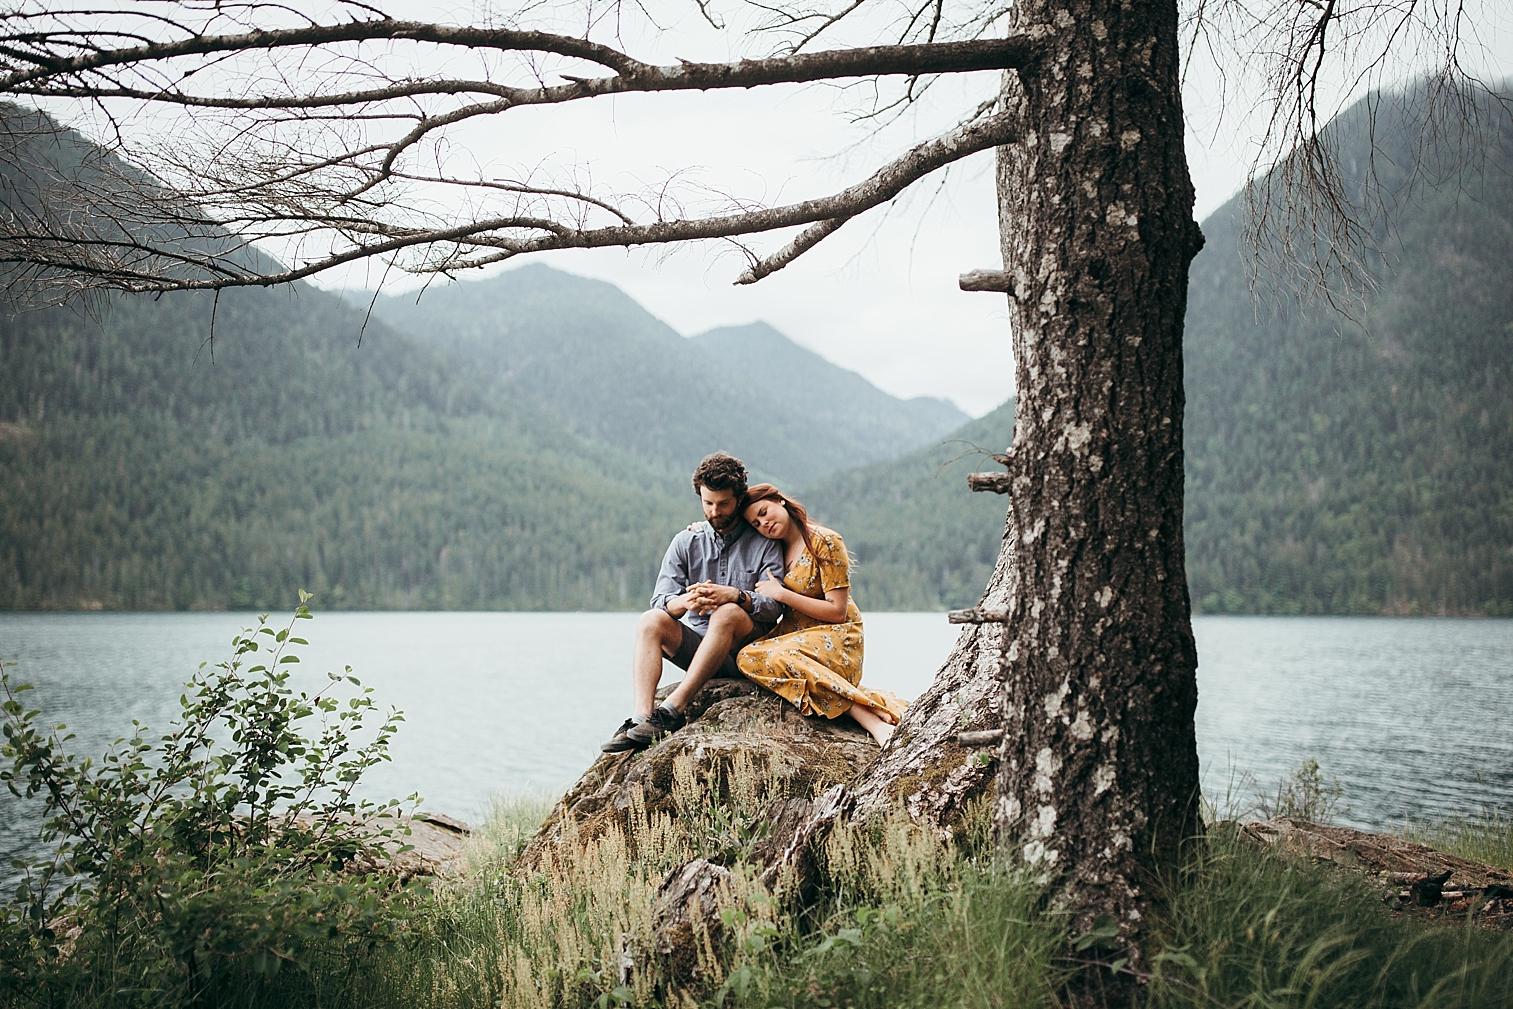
729	720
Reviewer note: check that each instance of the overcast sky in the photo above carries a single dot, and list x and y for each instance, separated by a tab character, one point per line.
879	296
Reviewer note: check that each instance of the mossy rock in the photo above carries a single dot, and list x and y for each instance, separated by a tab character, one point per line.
728	718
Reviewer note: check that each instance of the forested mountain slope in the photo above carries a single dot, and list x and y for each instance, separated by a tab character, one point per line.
144	467
1330	468
611	370
1338	469
919	539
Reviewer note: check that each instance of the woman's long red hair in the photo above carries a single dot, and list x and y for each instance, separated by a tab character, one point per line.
796	511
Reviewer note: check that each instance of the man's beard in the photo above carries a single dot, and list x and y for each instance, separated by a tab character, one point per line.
724	523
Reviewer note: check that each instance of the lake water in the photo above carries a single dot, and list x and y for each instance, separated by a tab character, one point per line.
1414	717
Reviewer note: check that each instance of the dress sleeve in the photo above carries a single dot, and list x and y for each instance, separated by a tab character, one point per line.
833	562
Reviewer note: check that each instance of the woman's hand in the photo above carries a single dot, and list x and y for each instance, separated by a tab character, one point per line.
770	587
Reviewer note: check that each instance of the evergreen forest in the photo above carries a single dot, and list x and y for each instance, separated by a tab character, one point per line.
148	467
1340	467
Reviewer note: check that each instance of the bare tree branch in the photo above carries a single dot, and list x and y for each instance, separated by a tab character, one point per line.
295	157
479	243
298	155
319	143
58	77
807	239
1309	219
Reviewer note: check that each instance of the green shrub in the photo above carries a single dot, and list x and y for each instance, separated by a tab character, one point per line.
232	845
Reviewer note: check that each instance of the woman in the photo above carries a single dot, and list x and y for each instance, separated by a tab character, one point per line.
813	657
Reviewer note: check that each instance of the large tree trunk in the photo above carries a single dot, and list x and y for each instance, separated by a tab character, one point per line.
1098	771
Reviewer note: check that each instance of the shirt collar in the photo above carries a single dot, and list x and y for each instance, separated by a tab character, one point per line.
741	528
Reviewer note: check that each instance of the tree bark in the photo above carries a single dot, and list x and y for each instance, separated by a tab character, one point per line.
1098	771
926	767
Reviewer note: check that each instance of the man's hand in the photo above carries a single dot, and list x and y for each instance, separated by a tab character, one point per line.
676	606
706	597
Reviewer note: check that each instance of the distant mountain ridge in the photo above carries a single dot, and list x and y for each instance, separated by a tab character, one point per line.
139	476
866	423
614	372
146	466
530	446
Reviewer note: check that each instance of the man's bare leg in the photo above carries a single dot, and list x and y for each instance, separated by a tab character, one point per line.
657	635
728	624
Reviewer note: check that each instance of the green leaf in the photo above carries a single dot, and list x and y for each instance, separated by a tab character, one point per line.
1105	927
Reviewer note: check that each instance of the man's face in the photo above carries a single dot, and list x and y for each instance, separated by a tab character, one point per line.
719	508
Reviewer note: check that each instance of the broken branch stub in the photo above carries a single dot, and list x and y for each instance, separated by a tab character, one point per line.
978	615
982	737
987	280
996	483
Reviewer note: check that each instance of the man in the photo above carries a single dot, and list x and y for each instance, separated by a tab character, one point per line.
703	609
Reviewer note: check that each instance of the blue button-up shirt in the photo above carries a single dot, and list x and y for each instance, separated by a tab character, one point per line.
736	559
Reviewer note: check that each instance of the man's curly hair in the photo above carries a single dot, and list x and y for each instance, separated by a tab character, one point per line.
720	471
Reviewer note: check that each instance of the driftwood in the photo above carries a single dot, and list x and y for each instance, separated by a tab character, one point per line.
1413	876
1392	858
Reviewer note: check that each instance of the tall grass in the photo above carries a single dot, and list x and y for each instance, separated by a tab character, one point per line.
907	921
894	917
1252	928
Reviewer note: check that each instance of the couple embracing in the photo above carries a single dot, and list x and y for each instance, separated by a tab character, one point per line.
755	590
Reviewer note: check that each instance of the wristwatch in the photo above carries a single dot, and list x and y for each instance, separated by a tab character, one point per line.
744	601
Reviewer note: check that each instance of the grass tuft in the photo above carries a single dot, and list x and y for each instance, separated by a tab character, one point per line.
1259	928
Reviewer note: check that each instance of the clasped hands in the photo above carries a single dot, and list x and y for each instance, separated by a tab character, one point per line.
706	597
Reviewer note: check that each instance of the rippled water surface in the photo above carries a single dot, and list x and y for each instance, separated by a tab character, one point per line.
1412	716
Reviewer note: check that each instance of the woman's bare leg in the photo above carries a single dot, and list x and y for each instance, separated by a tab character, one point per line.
870	720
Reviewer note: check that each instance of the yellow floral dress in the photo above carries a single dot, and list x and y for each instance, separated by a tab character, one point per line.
815	665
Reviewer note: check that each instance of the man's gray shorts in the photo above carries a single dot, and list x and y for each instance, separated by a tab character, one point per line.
690	644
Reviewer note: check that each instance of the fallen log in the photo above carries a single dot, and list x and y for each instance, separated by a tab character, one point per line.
1416	878
1392	859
